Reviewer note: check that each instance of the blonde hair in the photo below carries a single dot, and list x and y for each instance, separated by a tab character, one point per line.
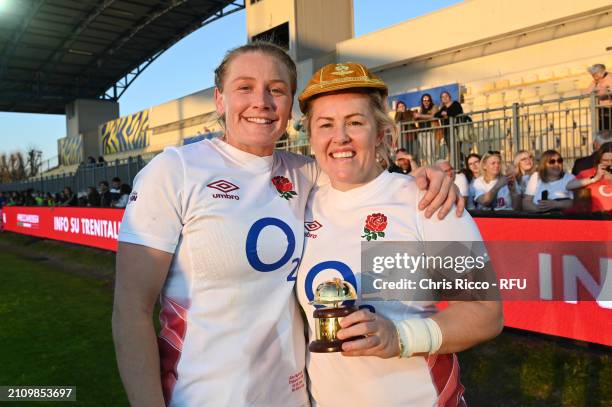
483	161
517	163
380	110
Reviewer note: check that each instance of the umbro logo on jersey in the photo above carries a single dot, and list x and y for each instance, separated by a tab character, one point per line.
311	227
225	187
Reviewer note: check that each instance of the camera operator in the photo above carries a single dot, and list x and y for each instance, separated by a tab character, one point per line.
597	180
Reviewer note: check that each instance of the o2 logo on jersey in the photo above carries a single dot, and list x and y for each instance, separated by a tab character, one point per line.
253	256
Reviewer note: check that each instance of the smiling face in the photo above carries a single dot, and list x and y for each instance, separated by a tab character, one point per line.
344	137
492	166
554	167
525	163
474	165
256	102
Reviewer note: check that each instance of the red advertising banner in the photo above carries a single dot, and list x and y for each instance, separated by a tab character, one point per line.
560	266
571	271
94	227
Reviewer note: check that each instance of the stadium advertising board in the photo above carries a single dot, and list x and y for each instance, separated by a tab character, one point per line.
94	227
573	254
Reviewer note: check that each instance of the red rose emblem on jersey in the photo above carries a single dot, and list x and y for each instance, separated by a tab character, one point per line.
284	187
375	226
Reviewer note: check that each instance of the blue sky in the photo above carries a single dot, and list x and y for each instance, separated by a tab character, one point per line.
188	67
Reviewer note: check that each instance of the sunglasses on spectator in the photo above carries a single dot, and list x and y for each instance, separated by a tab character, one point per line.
494	152
552	161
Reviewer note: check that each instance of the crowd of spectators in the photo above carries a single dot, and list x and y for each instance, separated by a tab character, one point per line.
524	184
115	195
538	186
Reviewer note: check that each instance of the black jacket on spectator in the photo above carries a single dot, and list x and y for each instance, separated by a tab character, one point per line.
583	163
105	199
93	199
72	201
453	110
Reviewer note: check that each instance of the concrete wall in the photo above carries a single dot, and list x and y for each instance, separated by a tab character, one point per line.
458	26
84	115
565	63
268	14
321	24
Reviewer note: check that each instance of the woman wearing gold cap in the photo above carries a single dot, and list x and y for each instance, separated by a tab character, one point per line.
344	108
214	231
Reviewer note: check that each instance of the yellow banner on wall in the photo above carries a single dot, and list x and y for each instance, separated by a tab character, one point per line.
126	133
70	150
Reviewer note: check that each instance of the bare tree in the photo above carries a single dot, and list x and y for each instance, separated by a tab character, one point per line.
5	174
34	162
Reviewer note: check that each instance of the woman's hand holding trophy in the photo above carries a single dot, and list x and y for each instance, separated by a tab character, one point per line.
344	328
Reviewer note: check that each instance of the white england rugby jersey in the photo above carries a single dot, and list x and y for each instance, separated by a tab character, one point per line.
503	200
231	333
334	230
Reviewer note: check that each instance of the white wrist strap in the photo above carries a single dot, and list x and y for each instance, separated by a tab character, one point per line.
418	336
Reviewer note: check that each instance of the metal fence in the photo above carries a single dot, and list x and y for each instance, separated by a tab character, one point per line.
85	176
565	124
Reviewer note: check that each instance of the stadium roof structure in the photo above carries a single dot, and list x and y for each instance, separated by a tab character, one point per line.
55	51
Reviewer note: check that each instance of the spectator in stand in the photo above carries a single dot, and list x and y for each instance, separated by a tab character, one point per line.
59	199
597	180
124	196
404	163
49	199
101	161
3	200
93	197
588	162
404	118
91	161
425	114
39	197
448	108
115	188
402	114
546	189
524	167
105	195
470	172
492	190
602	86
458	179
69	198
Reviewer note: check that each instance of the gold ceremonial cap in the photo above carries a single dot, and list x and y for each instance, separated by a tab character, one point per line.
333	77
334	292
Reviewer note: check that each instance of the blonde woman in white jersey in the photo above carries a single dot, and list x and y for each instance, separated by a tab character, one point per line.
214	230
345	114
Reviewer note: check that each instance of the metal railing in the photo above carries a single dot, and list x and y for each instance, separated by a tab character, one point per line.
565	124
86	175
297	146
